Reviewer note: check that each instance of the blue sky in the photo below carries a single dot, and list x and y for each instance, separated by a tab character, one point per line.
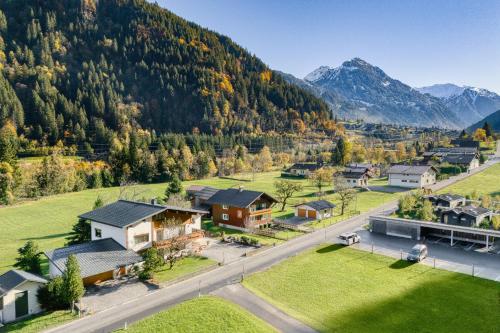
418	42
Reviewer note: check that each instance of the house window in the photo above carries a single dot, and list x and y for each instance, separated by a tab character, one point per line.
225	217
98	233
138	239
225	207
239	214
1	303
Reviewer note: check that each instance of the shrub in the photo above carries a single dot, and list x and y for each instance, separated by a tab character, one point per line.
51	295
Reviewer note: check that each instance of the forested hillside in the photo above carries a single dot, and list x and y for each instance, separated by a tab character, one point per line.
88	71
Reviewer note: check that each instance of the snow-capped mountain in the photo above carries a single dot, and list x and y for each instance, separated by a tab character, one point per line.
468	103
357	89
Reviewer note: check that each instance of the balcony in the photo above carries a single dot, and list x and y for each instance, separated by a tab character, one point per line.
183	238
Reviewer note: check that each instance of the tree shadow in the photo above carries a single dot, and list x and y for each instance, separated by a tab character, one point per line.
330	248
46	237
452	303
401	264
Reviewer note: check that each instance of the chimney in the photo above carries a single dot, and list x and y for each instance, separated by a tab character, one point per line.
154	202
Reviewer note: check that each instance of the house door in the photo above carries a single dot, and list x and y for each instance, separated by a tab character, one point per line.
21	304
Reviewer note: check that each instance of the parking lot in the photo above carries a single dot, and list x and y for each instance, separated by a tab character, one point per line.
462	257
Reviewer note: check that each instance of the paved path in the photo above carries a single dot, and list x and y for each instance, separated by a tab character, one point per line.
262	309
141	307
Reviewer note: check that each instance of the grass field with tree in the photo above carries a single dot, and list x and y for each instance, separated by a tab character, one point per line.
206	314
48	220
485	182
339	289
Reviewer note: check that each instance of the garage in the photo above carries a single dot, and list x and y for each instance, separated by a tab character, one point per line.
418	230
319	209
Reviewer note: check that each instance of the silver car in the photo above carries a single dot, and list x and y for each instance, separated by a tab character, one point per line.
417	253
349	238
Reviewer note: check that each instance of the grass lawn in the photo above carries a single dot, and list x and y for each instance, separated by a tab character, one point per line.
49	220
206	314
183	267
485	182
39	322
338	289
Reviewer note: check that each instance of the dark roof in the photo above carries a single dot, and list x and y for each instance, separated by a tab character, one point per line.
13	278
360	165
469	210
306	166
319	204
410	169
123	212
356	174
202	192
459	158
448	197
237	197
94	257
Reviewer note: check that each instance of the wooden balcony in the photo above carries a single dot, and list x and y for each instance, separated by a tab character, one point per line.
261	212
184	238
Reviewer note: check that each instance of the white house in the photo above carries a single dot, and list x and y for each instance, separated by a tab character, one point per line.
18	291
319	209
137	225
412	176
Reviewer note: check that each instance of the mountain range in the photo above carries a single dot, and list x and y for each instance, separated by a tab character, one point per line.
359	90
468	103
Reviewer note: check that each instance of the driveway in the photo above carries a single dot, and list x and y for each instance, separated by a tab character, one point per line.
295	220
457	258
387	189
226	253
112	293
238	294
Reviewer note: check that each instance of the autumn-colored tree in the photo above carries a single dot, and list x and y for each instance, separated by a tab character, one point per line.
321	178
480	134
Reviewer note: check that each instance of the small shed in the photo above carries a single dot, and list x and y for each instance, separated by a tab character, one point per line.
319	209
18	291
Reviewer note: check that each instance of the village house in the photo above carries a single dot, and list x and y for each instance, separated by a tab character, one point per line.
99	260
199	194
466	162
319	209
356	176
137	225
466	158
466	216
241	209
18	290
412	176
303	169
120	230
446	201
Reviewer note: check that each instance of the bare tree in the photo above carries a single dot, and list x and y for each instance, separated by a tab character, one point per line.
346	193
285	189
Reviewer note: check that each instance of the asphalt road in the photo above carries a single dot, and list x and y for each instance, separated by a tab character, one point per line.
136	309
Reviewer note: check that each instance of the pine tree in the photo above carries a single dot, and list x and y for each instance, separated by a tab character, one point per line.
72	281
29	258
175	187
487	129
80	233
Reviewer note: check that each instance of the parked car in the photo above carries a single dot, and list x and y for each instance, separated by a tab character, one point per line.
417	253
349	238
